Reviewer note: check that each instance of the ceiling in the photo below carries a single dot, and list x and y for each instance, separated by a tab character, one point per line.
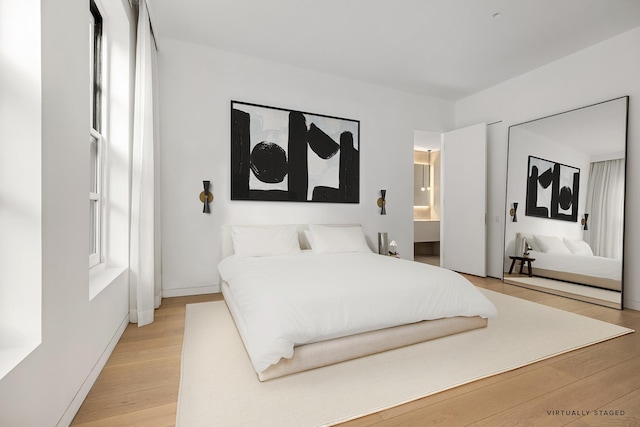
443	48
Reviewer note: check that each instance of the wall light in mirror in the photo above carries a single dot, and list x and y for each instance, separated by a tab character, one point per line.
584	222
514	212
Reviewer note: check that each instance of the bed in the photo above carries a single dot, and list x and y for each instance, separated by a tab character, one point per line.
299	306
571	261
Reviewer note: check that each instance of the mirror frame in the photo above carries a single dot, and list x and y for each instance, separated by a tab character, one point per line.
509	211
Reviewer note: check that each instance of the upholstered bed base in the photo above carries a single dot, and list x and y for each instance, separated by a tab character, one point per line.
323	353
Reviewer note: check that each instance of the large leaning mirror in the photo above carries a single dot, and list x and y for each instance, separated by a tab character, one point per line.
564	228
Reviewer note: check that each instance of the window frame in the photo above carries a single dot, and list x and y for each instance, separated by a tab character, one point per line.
96	157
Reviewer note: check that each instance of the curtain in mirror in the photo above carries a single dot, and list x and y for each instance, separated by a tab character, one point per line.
605	206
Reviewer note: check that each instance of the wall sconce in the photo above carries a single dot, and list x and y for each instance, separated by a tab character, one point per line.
382	202
584	222
206	197
514	212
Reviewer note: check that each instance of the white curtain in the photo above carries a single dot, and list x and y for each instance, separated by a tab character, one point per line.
605	206
144	266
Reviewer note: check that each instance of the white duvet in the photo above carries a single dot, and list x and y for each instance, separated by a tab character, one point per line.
296	299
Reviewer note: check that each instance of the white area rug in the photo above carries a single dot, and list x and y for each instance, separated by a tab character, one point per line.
218	386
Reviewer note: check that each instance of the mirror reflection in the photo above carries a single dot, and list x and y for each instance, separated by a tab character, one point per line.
565	202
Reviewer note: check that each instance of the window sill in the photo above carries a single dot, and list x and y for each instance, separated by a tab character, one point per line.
11	357
100	277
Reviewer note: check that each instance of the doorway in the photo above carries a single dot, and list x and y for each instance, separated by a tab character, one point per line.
460	195
426	196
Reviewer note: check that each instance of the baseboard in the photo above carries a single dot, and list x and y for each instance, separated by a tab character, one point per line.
75	404
184	292
631	304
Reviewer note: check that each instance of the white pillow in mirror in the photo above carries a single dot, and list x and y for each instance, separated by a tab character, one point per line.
578	247
265	241
530	240
326	240
307	234
551	245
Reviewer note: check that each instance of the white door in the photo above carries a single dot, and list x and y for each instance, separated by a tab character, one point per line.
464	190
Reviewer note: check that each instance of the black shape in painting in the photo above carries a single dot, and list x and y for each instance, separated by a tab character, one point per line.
321	143
324	194
349	177
546	178
240	154
269	162
532	208
566	198
298	163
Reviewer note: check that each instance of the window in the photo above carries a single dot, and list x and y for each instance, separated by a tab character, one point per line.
96	139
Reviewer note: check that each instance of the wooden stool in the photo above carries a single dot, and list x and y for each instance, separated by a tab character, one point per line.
522	260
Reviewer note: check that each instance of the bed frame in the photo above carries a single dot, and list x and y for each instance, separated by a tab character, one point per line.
323	353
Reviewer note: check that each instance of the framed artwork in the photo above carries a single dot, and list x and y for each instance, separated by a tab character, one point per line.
552	190
286	155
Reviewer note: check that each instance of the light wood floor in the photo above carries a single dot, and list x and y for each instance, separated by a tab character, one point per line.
139	384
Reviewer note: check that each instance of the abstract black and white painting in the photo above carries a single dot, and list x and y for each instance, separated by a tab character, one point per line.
552	190
286	155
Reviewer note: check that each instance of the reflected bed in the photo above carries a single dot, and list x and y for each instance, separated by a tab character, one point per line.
580	266
586	270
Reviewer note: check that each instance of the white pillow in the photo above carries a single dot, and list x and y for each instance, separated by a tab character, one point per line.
309	237
530	240
551	245
578	247
328	240
265	241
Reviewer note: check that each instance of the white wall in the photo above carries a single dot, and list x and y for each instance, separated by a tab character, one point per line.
20	186
197	84
601	72
46	388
